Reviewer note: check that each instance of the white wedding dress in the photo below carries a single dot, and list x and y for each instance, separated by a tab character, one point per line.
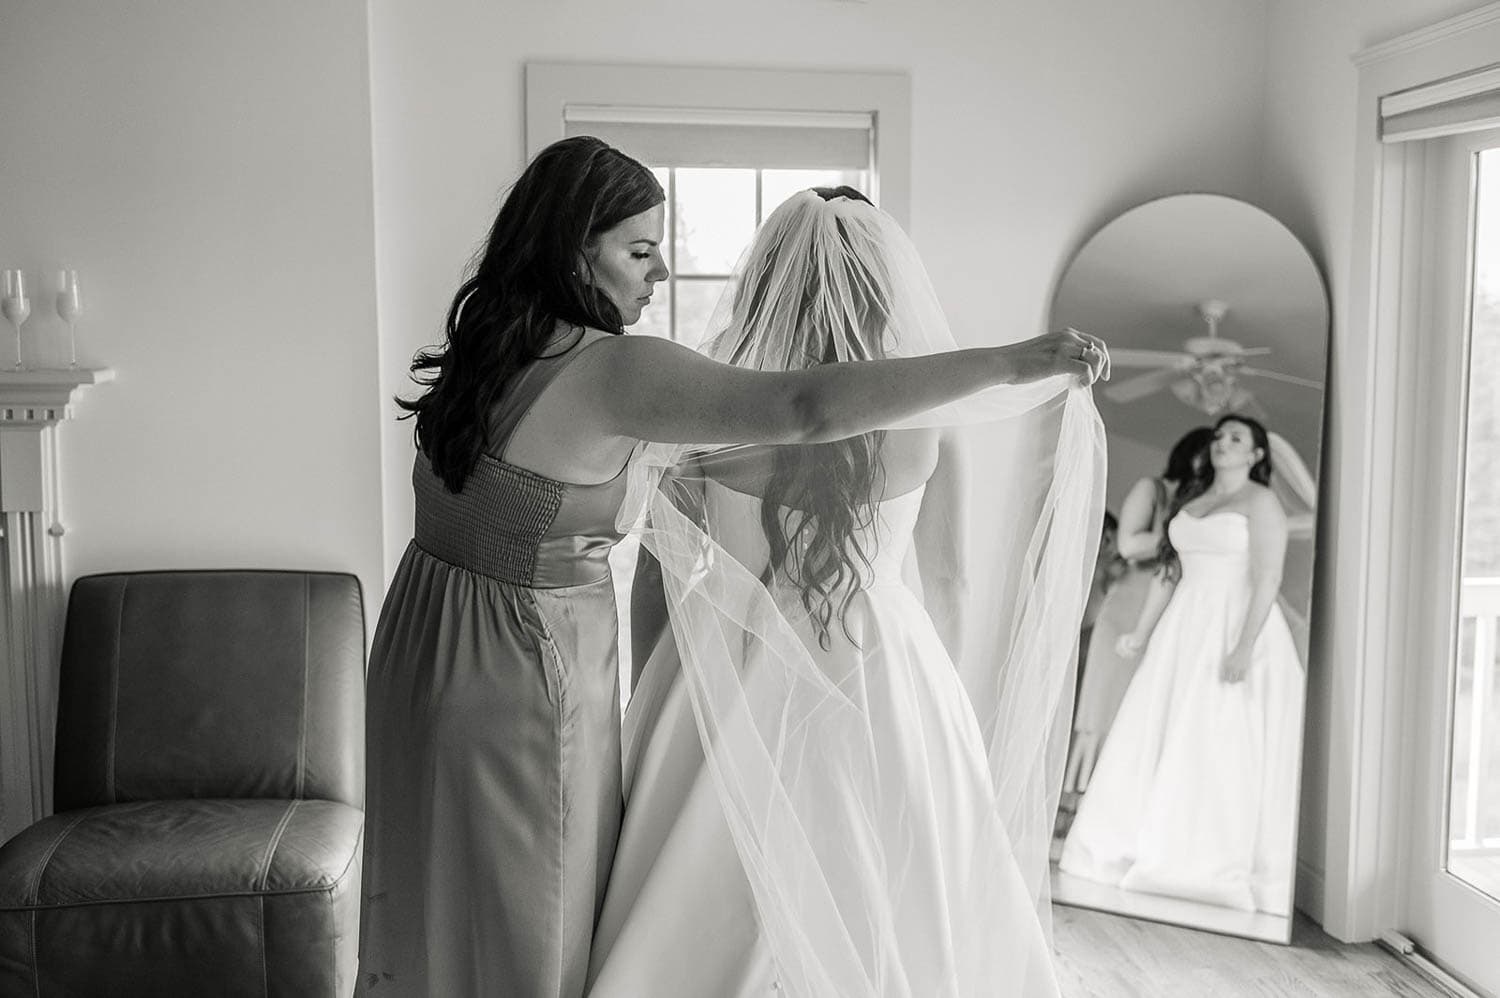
679	918
1194	792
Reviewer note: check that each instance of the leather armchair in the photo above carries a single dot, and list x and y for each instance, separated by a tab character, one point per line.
208	788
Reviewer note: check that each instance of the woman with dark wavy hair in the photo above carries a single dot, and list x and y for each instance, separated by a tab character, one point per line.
1193	793
493	790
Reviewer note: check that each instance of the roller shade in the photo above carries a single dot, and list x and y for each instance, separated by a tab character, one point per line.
769	140
1466	103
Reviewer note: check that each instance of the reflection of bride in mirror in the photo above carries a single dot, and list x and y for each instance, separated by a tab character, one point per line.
1193	794
1106	672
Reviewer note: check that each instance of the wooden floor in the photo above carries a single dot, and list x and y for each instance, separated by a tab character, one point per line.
1106	956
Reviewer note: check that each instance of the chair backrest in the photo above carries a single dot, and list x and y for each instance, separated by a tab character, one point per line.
211	684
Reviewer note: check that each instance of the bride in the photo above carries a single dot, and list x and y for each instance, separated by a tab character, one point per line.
848	831
1194	793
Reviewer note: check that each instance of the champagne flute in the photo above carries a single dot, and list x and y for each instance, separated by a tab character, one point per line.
69	306
16	306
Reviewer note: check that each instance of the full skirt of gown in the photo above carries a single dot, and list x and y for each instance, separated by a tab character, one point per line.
679	917
1194	793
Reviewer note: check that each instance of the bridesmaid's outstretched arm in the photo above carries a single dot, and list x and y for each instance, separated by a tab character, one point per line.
1139	535
646	388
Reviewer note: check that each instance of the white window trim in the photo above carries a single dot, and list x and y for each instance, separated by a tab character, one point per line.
579	112
552	88
1365	635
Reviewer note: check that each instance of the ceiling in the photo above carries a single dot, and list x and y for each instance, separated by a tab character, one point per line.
1138	283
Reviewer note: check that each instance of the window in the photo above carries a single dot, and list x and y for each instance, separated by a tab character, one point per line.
711	214
1474	767
705	117
728	146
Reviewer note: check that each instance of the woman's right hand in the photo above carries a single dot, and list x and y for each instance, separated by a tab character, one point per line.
1064	352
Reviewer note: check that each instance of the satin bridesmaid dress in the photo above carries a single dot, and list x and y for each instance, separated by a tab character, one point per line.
493	794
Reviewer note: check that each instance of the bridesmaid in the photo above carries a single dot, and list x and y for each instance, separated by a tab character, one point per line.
1107	673
493	789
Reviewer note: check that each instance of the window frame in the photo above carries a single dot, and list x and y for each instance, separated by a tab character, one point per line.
674	207
552	87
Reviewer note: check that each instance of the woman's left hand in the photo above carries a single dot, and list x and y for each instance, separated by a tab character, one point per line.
1236	666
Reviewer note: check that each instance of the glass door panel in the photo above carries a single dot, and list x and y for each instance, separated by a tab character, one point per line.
1474	751
1451	903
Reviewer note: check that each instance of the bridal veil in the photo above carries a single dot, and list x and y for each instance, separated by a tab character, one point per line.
809	809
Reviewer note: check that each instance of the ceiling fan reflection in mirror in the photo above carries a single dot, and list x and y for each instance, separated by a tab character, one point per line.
1204	374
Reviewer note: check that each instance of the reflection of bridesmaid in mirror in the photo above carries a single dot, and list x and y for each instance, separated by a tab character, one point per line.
1106	673
1193	794
1108	569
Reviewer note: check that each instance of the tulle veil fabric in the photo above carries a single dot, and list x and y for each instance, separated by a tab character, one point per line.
1296	488
786	741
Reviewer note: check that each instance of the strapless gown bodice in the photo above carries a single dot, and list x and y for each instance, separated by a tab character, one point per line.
1214	548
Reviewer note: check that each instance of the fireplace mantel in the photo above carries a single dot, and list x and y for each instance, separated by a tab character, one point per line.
44	396
32	594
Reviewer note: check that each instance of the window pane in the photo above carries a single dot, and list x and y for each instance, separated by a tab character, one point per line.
715	219
695	306
1474	788
664	177
778	185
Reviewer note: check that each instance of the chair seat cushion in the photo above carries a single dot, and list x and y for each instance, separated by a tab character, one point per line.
158	850
182	899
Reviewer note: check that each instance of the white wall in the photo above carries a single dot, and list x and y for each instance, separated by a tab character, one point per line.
1034	123
206	169
1309	170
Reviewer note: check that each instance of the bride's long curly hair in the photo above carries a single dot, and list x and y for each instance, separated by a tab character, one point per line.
531	274
820	498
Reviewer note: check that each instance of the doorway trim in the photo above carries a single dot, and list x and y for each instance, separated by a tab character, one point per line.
1372	451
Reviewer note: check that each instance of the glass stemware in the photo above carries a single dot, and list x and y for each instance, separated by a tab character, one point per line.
69	307
16	307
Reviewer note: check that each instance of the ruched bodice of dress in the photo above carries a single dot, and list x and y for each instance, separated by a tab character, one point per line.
514	525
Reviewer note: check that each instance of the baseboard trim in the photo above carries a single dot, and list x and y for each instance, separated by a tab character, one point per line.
1406	951
1310	890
